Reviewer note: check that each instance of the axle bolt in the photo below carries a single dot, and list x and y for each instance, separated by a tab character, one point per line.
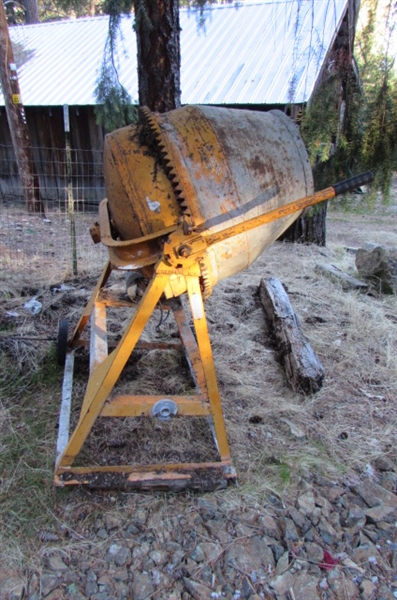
184	251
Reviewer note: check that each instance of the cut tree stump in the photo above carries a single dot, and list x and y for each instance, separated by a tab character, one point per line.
303	369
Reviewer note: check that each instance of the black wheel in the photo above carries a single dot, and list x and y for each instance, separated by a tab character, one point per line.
62	341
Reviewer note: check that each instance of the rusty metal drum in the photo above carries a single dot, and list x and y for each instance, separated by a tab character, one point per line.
208	168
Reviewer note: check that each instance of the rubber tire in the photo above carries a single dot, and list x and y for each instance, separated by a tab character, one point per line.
62	342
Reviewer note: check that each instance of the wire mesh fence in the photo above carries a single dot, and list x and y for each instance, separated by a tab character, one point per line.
70	198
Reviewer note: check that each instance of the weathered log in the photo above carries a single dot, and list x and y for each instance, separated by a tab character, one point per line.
303	369
346	281
378	265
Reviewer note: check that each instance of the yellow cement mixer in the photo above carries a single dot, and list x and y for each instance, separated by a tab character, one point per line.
193	196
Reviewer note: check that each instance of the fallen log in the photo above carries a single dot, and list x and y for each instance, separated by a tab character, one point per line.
303	369
347	281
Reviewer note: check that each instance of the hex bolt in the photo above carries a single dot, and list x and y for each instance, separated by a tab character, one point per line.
184	251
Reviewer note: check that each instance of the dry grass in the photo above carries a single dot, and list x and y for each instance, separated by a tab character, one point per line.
275	434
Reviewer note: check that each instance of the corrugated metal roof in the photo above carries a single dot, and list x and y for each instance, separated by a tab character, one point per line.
248	53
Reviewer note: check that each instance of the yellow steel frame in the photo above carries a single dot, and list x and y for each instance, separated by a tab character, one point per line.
106	370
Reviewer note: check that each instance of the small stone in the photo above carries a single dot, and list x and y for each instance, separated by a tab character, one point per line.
133	530
197	555
247	589
387	514
374	494
142	586
327	532
388	480
306	503
159	557
325	505
316	516
13	588
282	563
314	552
91	586
367	589
305	587
102	534
48	582
207	508
384	463
113	522
278	551
365	553
254	555
197	590
343	587
122	556
282	583
347	562
211	551
334	493
355	517
289	530
299	519
270	527
55	563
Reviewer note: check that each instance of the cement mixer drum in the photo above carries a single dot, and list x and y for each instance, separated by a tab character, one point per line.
208	168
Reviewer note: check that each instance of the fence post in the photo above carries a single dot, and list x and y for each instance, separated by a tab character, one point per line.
70	187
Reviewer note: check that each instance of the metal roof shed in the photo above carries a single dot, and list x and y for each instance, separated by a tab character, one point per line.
264	52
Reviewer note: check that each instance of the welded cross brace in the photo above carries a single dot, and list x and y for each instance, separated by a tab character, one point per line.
105	370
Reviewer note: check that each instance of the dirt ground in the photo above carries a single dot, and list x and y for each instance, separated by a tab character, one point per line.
278	438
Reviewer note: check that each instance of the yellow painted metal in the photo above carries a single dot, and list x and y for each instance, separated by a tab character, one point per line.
98	402
90	304
224	167
204	345
136	186
98	338
141	406
103	379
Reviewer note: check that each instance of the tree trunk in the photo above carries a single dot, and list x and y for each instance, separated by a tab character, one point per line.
158	31
32	11
17	120
309	228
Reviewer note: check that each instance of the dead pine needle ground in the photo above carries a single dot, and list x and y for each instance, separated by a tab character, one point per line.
276	436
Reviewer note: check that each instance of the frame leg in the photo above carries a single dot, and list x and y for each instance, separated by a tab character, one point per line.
204	344
91	303
107	372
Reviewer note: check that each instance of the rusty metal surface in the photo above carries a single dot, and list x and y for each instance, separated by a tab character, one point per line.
201	165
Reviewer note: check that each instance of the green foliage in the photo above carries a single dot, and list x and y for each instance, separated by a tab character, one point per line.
363	135
115	108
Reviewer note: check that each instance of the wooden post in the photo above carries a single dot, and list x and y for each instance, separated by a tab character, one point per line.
70	187
17	120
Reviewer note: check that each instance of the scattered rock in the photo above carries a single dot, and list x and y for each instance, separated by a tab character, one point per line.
197	590
374	494
306	503
367	589
55	563
281	584
270	527
384	463
378	265
305	587
142	586
48	583
12	588
387	514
